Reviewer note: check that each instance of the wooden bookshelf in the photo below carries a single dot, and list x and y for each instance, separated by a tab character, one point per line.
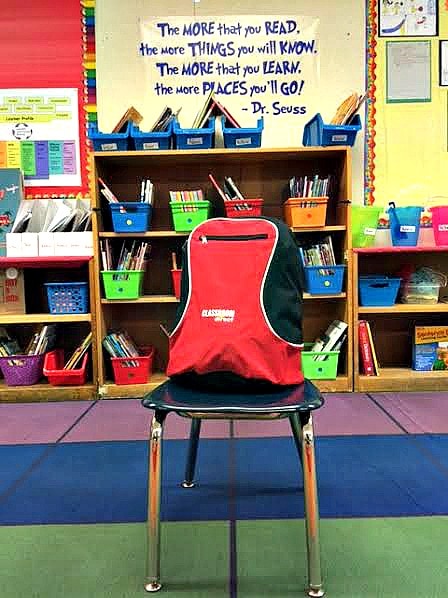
44	318
259	173
393	326
43	393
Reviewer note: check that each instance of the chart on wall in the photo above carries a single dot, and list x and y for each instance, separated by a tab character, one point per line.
39	133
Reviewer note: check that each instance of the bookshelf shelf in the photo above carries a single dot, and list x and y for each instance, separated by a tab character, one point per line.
41	393
43	318
393	336
260	173
44	262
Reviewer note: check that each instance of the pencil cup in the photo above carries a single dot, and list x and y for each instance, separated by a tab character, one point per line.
133	370
131	217
57	376
176	276
305	212
123	284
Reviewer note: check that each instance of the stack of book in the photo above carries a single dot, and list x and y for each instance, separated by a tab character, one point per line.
331	340
78	353
347	110
166	116
131	114
212	107
187	196
229	192
305	186
130	258
8	345
42	341
146	192
367	353
120	344
319	254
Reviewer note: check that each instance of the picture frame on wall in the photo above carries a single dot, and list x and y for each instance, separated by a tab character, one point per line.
408	18
443	63
408	71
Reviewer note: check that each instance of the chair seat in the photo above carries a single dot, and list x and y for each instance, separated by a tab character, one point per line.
170	396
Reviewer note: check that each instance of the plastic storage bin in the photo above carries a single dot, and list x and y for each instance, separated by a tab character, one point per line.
122	284
188	214
194	138
404	225
324	280
378	290
176	276
67	297
160	140
22	370
302	212
106	142
131	216
364	225
133	370
242	208
318	133
319	365
235	137
57	376
419	293
440	224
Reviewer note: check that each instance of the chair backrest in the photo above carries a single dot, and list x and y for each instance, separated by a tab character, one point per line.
240	313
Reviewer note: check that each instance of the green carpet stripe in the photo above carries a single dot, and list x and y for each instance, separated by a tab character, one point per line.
362	558
107	561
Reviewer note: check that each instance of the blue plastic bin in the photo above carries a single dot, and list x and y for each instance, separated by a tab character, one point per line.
194	138
131	216
67	297
105	142
239	137
317	133
404	225
378	291
152	141
324	280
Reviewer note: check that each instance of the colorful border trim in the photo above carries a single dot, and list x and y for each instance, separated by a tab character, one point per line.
369	148
89	66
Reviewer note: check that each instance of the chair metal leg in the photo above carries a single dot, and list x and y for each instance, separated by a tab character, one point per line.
152	583
315	585
296	432
195	431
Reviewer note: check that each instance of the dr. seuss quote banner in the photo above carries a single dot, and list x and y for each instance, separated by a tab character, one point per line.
256	65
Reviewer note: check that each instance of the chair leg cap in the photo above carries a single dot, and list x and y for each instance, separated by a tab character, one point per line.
153	586
188	484
315	593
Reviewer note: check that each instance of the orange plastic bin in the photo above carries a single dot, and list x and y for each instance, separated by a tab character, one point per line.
305	212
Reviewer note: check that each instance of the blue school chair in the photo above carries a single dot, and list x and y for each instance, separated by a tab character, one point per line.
296	403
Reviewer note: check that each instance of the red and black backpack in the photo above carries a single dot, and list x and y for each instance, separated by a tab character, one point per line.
239	321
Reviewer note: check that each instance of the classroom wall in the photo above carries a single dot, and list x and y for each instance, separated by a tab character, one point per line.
342	57
411	164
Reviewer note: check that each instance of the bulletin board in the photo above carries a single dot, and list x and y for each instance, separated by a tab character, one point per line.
338	69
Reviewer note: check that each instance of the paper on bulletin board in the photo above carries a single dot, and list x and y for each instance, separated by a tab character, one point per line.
409	71
39	133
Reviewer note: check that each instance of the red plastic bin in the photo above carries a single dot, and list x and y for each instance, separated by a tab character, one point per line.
57	376
133	370
176	276
241	208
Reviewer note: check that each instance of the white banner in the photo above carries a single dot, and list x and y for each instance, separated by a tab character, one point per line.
256	65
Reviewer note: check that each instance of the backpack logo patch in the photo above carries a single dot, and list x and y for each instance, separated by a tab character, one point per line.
219	315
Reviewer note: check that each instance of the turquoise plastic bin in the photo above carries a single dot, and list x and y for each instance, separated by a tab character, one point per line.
404	225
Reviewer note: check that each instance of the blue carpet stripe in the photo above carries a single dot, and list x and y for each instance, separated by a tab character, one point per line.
105	482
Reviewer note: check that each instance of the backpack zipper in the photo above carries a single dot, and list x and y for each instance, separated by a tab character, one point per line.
207	238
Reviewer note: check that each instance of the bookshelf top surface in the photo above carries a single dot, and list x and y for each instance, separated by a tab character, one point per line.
307	152
418	249
44	262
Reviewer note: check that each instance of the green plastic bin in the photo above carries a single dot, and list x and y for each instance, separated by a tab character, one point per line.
122	284
364	225
188	214
325	368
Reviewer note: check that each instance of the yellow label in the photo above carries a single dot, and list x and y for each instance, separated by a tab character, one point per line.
431	334
23	108
26	118
59	101
5	108
34	100
46	108
12	100
13	154
62	115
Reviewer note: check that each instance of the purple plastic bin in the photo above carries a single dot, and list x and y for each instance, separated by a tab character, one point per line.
22	370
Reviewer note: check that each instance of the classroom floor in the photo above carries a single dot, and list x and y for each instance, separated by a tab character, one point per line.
73	496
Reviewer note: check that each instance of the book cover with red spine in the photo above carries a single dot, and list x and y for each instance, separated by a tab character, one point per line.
365	352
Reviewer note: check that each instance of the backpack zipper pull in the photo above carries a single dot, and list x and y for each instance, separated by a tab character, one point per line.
203	239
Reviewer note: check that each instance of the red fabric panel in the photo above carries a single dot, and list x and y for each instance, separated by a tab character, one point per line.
41	46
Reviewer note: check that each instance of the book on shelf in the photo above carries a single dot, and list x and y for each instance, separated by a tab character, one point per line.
348	108
229	192
163	120
309	186
78	353
430	348
147	192
120	344
331	340
187	197
132	256
131	114
42	341
367	353
212	107
11	197
8	344
318	254
107	192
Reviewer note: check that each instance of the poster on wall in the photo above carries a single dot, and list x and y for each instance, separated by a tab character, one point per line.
39	133
408	71
257	66
408	18
443	63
